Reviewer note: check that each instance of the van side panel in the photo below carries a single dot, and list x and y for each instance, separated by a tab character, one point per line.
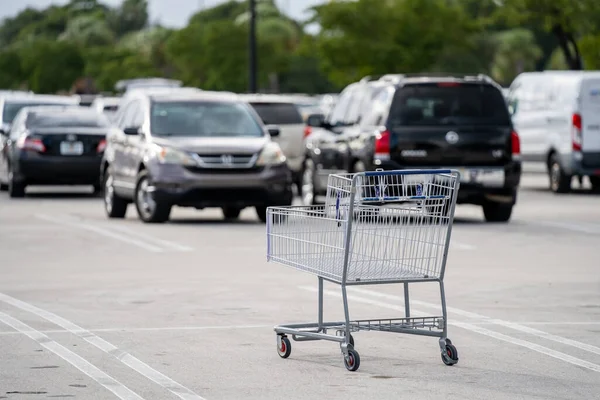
590	114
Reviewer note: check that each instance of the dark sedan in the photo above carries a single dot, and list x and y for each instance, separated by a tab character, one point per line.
52	146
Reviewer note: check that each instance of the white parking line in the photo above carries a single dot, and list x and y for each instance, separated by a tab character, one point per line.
126	358
161	242
581	227
461	246
86	226
507	324
120	390
154	329
473	328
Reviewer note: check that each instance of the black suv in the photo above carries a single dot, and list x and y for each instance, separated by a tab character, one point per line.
418	121
192	149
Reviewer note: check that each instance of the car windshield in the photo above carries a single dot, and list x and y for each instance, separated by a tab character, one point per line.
203	119
11	109
67	119
278	113
438	104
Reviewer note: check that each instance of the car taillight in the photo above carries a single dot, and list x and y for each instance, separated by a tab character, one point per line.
515	145
382	145
576	136
307	131
31	144
101	146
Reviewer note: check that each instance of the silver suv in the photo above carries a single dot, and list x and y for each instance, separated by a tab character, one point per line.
202	149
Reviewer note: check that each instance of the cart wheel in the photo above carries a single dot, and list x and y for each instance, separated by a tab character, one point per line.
285	349
352	360
351	340
450	356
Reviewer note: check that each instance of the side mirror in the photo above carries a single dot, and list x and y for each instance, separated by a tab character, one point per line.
131	131
315	120
273	130
3	132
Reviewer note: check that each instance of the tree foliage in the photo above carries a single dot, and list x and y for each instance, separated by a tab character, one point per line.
47	50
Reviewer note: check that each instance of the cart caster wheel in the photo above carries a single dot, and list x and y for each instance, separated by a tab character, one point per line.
285	349
352	360
450	356
351	340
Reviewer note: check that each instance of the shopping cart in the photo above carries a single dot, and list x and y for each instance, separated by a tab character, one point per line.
374	228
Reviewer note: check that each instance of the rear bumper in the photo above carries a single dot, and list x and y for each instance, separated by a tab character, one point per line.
34	169
265	187
480	184
583	164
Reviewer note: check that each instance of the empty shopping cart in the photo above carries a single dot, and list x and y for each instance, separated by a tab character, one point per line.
375	228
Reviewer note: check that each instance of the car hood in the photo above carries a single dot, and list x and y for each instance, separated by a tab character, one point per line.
215	145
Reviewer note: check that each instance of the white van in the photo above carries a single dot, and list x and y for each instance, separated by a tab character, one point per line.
557	117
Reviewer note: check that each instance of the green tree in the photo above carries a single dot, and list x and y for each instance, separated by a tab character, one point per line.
11	73
131	16
358	39
517	52
51	66
567	20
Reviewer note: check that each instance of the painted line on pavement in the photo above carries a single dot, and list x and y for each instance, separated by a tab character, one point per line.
103	232
152	329
580	227
161	242
108	382
499	322
461	246
126	358
473	328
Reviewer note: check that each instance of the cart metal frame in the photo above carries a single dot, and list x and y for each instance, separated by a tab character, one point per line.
364	194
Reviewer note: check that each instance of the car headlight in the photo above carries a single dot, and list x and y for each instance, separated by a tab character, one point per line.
271	154
168	155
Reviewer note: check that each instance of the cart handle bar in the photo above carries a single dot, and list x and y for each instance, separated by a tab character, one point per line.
409	172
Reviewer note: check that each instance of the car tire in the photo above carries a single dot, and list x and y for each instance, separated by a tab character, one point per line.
15	189
114	205
231	213
595	182
3	187
307	186
497	212
149	209
261	212
560	182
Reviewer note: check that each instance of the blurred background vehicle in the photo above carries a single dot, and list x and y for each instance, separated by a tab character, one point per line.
421	121
10	105
126	85
106	105
203	149
53	145
557	115
284	112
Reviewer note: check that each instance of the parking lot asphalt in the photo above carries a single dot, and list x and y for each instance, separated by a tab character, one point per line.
99	309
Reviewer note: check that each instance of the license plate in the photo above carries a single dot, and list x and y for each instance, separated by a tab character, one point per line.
483	176
71	148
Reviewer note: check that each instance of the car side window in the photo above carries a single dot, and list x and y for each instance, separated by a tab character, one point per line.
137	118
377	109
129	116
338	114
17	126
356	103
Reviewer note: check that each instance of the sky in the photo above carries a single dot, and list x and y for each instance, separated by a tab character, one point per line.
171	13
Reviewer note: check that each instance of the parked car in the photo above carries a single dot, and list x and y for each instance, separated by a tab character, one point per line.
557	115
11	104
106	105
52	145
192	149
416	121
283	112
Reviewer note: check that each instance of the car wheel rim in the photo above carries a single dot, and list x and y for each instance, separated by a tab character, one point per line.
308	186
108	193
146	203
